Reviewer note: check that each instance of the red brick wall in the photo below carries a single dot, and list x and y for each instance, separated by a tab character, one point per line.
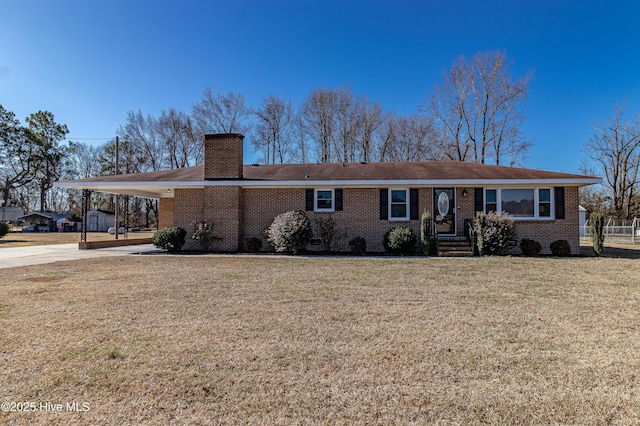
240	213
220	205
359	218
223	207
223	156
548	231
166	212
188	207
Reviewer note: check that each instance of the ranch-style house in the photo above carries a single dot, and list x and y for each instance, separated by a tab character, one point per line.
366	199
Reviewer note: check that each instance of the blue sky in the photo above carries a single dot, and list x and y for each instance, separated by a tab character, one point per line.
89	62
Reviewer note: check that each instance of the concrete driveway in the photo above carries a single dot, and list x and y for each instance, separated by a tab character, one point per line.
12	257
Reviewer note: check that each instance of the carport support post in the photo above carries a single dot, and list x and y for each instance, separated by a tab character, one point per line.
86	198
117	197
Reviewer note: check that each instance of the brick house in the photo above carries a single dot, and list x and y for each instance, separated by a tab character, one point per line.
366	199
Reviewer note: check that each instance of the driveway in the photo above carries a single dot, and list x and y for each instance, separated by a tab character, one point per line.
12	257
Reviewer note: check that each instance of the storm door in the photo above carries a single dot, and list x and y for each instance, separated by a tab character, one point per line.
444	210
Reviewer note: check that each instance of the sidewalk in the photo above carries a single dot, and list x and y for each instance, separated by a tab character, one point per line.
12	257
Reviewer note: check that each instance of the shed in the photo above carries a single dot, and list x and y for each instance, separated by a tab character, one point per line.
100	220
583	221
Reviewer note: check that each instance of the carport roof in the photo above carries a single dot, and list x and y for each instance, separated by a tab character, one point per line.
46	215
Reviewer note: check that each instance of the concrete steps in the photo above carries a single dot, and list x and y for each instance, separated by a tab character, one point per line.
454	247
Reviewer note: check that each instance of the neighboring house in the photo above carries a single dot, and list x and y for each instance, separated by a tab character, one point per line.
47	221
10	214
366	199
100	220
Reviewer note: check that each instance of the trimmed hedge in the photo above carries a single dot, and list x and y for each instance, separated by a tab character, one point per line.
400	240
530	247
171	239
358	246
560	248
290	232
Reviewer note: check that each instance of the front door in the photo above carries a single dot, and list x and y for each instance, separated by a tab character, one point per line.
444	210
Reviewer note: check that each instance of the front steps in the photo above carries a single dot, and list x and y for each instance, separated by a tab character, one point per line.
454	247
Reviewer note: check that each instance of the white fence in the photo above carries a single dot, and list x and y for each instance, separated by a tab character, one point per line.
616	230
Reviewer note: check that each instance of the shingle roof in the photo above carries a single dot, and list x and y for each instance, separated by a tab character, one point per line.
421	170
441	173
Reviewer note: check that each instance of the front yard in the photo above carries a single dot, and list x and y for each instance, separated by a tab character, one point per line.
163	339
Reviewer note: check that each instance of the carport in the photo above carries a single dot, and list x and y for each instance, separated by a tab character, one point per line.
44	218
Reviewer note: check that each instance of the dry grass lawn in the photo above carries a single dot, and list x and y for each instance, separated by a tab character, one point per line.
164	340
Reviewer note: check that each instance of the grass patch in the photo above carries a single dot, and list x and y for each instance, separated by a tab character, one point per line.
4	309
278	340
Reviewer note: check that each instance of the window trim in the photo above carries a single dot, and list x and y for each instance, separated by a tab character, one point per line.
536	201
315	200
407	204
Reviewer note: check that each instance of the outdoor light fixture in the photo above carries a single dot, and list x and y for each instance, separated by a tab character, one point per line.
465	192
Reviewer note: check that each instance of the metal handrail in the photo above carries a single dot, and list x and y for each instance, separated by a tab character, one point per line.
435	235
472	236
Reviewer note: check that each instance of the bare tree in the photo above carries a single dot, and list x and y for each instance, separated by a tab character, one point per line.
84	160
387	135
142	132
370	120
412	140
273	133
183	144
477	108
318	113
222	113
347	125
300	153
615	148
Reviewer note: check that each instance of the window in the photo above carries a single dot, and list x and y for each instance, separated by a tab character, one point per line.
398	206
491	203
521	203
518	202
324	200
544	202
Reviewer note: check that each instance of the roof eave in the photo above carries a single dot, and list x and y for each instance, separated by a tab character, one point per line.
161	189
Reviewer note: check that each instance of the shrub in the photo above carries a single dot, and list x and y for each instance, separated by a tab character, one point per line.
328	231
358	246
560	248
203	232
400	240
171	239
480	223
498	230
425	233
597	232
254	244
290	232
4	228
530	247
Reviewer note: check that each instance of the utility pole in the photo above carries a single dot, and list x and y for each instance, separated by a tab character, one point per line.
117	197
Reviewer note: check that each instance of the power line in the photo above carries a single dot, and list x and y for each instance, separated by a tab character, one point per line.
90	139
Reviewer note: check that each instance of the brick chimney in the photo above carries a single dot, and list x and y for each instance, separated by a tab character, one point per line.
223	156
